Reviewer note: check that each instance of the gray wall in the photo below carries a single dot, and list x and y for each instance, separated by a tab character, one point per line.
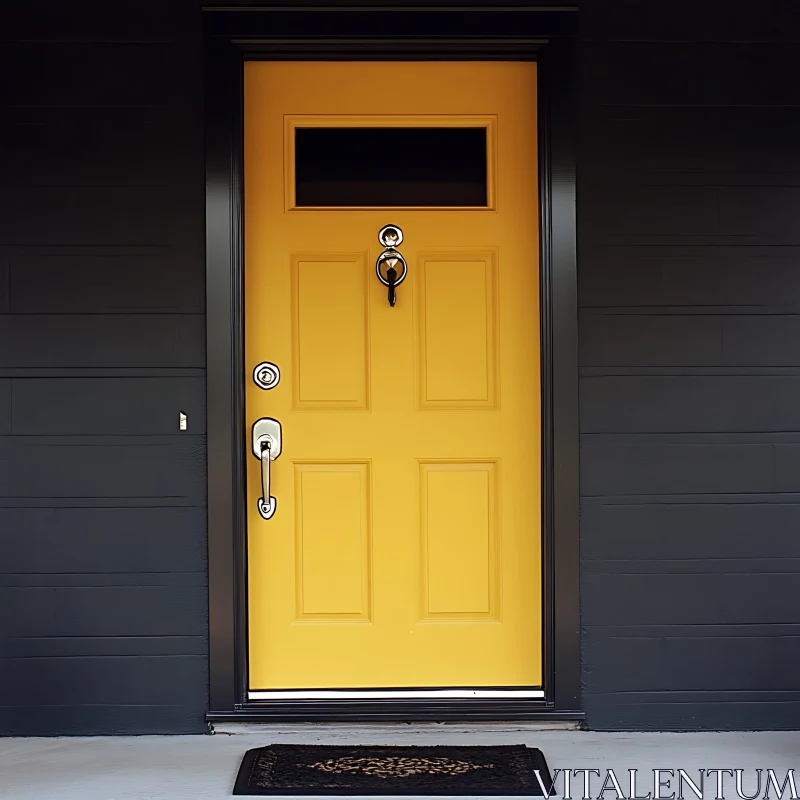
102	345
690	378
689	264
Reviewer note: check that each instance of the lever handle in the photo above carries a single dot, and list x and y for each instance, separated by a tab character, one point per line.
267	446
267	504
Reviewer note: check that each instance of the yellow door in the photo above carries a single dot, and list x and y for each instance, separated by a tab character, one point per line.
405	546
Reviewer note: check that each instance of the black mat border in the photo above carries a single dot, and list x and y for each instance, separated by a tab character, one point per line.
246	765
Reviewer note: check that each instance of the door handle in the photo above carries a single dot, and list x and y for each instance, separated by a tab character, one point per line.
267	446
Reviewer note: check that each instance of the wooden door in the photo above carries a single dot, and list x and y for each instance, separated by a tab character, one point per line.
405	547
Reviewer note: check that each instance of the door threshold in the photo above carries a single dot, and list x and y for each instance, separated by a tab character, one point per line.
396	694
402	708
477	732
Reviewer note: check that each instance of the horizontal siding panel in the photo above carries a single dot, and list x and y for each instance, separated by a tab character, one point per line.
102	340
105	646
96	502
632	20
658	144
649	340
63	719
617	662
688	73
663	469
759	211
721	182
747	213
762	340
694	711
596	633
94	215
721	563
689	340
99	580
102	540
4	282
614	276
97	147
93	20
91	73
151	680
95	406
686	404
689	599
627	210
699	530
115	281
115	469
787	468
5	407
53	611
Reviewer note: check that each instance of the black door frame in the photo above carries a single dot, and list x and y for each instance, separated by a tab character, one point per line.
364	31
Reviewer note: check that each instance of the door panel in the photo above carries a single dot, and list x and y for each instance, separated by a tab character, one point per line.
460	546
405	550
330	331
457	351
333	574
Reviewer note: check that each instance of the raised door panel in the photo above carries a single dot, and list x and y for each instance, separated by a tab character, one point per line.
332	541
330	332
460	539
457	330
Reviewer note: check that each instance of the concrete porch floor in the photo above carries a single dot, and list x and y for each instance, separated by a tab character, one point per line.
204	767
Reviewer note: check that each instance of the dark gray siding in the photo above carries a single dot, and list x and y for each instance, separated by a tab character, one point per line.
103	579
689	279
689	283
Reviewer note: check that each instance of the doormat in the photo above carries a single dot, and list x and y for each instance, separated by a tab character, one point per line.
404	771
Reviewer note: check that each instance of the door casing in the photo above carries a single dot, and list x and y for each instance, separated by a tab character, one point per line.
469	33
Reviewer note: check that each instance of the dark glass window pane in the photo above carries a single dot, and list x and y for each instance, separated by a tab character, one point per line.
390	167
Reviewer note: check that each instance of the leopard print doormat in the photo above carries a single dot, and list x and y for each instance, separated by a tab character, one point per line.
427	771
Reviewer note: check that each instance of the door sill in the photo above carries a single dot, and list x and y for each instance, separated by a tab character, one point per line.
396	694
395	732
398	709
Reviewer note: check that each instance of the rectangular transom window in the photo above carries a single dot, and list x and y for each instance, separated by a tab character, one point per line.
378	163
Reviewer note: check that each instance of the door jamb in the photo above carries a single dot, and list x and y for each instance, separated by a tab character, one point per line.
280	32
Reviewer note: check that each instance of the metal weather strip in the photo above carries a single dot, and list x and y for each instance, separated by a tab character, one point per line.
397	694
